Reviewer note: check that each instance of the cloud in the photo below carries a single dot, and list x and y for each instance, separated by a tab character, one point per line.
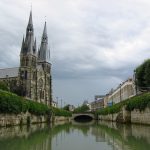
97	42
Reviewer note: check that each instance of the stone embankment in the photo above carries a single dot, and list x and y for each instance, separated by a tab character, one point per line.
18	119
124	116
27	118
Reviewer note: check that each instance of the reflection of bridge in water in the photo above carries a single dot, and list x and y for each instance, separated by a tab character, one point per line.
83	117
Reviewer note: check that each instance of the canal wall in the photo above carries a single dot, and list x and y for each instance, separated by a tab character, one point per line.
27	118
124	116
61	118
18	119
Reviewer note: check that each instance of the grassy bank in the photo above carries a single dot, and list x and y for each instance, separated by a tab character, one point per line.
137	102
11	103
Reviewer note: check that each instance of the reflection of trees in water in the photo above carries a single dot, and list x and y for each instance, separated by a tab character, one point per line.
40	137
39	140
124	136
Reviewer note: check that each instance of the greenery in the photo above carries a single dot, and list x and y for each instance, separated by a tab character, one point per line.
137	102
3	86
81	109
66	107
11	103
61	112
111	109
142	74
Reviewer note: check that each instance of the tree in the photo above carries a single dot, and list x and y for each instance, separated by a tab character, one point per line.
3	86
66	107
142	74
80	109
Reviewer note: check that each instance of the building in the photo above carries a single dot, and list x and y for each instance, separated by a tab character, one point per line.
121	93
33	76
98	103
54	104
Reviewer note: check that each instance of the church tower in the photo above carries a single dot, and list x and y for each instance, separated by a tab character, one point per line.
28	63
44	71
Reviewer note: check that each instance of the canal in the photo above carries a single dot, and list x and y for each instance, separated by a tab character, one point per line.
76	136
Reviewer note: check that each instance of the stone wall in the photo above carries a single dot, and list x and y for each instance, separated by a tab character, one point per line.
142	117
23	118
61	118
124	116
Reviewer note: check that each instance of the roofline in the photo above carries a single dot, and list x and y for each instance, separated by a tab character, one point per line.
8	68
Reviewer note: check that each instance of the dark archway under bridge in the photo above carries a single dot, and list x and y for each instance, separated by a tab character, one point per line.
83	117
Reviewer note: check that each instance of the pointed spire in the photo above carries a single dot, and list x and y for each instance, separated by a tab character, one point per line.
43	52
34	47
30	18
22	47
45	30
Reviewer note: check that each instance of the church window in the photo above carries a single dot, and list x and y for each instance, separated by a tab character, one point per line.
43	94
26	75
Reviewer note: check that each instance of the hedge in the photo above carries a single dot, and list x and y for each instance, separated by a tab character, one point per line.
137	102
13	104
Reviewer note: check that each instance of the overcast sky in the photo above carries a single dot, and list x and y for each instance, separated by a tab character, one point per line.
95	44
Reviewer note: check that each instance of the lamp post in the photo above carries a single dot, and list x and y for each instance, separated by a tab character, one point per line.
120	92
135	81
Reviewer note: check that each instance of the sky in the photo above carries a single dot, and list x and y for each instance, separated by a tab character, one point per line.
95	44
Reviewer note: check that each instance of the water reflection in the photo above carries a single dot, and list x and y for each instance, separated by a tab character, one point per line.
73	136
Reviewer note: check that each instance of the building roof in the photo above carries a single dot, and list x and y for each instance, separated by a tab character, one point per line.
9	72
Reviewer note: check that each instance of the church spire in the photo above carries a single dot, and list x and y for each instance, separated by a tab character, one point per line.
22	47
44	51
28	44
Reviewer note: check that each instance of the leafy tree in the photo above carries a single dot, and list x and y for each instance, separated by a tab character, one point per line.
3	86
81	109
143	75
66	107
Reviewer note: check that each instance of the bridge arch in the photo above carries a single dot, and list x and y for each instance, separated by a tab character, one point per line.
83	117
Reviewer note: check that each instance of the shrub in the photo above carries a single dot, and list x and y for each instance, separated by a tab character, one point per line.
139	102
3	86
61	112
11	103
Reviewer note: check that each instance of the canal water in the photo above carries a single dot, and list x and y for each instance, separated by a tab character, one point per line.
76	136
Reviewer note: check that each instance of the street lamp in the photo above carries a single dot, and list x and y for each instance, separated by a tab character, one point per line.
120	92
135	81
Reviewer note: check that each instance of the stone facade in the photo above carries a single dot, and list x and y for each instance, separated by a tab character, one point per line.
23	118
121	93
33	76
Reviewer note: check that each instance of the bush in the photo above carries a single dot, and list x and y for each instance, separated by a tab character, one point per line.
139	102
3	86
11	103
61	112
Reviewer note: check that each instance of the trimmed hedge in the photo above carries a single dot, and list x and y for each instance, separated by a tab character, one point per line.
13	104
137	102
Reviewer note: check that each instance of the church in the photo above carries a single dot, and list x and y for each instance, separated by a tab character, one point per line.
33	76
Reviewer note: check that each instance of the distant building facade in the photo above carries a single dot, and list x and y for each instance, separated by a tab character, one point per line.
121	93
98	103
33	75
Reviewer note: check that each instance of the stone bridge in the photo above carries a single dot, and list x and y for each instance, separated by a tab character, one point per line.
83	116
